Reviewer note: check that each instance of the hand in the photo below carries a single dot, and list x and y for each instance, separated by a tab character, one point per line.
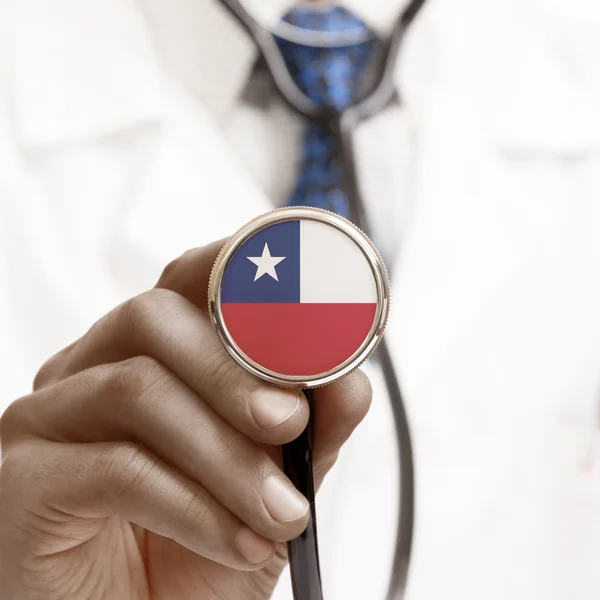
146	462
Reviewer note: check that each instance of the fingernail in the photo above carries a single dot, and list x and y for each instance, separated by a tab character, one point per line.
274	407
283	501
254	548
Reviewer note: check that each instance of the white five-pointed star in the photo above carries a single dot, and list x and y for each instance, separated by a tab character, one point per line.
266	263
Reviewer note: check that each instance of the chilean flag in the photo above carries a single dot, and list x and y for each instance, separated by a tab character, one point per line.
299	297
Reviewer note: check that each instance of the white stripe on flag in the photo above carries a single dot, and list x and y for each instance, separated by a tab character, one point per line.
332	267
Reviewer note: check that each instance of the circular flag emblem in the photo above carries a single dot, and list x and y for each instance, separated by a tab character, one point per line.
299	297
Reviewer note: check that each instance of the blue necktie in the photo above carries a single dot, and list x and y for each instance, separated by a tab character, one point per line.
330	77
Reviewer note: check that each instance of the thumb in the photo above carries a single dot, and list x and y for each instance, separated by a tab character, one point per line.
188	275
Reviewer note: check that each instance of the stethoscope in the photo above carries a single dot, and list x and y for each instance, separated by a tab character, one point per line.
297	456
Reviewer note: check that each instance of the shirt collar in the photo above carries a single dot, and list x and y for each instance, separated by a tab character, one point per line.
83	69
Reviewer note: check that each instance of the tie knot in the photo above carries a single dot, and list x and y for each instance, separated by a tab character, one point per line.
330	76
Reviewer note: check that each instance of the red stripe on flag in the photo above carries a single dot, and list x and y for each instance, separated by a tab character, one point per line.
299	339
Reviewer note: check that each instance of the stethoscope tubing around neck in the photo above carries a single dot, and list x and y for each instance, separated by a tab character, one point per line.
382	93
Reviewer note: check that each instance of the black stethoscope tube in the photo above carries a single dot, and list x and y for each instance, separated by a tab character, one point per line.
297	456
303	552
406	509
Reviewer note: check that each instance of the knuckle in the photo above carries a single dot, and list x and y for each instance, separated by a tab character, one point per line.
18	469
133	378
11	461
125	469
197	510
44	374
224	372
144	312
50	370
169	272
12	420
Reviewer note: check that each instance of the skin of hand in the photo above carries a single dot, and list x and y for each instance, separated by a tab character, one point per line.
146	463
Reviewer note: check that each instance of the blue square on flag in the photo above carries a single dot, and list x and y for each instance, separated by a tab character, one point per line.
266	267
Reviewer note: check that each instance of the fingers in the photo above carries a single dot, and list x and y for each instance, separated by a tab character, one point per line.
93	481
339	408
169	328
177	392
139	400
187	275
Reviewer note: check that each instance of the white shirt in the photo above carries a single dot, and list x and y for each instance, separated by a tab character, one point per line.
129	132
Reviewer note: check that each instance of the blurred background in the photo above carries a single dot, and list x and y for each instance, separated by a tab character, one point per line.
133	130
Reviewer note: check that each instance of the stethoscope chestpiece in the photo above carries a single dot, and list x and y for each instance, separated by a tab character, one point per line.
299	296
